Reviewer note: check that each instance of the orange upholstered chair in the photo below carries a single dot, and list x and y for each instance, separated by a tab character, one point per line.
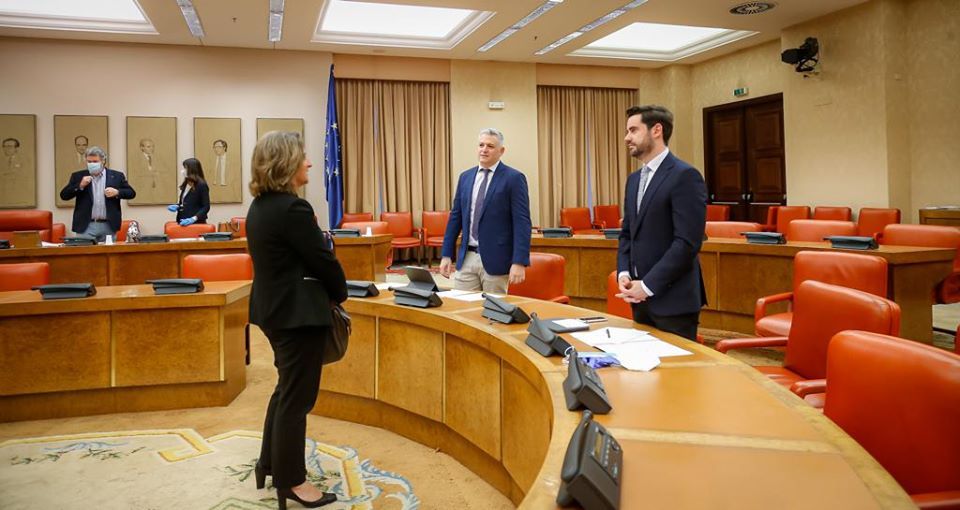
58	232
788	213
240	224
355	217
853	270
434	226
771	224
543	279
26	219
820	310
816	230
901	401
932	236
216	268
871	220
718	212
122	233
578	219
832	213
23	276
175	231
730	228
608	216
400	224
615	305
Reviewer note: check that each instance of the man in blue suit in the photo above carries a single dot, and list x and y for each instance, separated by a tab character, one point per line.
98	191
491	208
665	209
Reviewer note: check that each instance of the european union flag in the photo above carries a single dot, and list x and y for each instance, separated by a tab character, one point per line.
332	170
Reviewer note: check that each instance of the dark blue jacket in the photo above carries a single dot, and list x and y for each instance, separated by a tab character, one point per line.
504	229
660	243
84	208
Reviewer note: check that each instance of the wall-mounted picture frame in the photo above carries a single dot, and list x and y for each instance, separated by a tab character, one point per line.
266	125
18	161
72	136
216	143
152	166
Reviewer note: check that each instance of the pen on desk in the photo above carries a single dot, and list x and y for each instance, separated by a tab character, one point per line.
608	332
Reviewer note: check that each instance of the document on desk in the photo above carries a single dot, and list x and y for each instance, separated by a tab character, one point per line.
608	336
383	286
628	343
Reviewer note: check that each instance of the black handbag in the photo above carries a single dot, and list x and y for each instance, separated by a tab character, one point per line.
336	346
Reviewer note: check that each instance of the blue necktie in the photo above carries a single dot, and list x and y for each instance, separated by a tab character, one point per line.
478	209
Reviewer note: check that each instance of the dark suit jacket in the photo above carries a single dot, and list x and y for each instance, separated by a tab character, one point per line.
84	208
287	246
195	203
504	229
659	245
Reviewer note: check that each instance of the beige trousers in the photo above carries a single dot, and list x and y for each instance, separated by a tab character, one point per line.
472	277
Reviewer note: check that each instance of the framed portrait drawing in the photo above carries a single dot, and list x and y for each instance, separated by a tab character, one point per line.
18	167
72	135
266	125
152	159
216	143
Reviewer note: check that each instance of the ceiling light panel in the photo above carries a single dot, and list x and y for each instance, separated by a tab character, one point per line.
526	20
116	16
654	41
606	18
191	17
275	23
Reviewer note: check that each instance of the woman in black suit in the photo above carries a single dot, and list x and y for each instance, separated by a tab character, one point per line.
194	203
296	280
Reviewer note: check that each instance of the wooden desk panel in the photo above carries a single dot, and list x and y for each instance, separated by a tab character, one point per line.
504	416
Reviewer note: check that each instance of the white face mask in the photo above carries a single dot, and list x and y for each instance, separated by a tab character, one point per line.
183	173
95	168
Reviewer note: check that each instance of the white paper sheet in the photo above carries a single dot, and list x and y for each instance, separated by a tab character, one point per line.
384	286
604	336
570	323
637	350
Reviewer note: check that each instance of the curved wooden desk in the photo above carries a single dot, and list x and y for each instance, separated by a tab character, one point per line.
700	431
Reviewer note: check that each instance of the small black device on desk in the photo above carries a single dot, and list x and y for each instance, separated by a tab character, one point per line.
583	387
176	285
217	236
154	238
499	310
412	296
557	232
79	240
345	232
543	340
360	288
592	468
4	244
852	242
420	278
611	233
764	237
66	290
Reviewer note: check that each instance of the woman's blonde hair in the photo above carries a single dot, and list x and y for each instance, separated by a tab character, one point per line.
276	158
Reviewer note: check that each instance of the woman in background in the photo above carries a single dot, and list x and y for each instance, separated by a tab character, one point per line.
194	203
296	280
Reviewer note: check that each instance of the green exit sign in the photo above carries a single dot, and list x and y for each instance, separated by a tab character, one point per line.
740	92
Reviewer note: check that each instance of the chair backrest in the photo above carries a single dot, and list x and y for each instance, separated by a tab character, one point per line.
175	231
216	268
832	213
772	213
615	305
608	214
355	217
241	223
435	222
730	228
577	218
544	277
23	276
871	220
718	212
122	233
900	400
788	213
821	310
25	219
376	227
400	224
930	236
852	270
816	230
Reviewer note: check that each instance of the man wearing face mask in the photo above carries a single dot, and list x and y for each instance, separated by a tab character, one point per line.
98	191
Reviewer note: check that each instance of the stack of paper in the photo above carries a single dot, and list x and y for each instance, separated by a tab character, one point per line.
636	350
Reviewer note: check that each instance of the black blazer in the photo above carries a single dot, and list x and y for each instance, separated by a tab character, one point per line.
84	208
287	246
659	244
195	203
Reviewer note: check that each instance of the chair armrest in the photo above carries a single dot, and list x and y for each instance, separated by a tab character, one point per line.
599	224
937	500
561	299
748	343
57	232
565	226
809	387
768	228
761	309
420	233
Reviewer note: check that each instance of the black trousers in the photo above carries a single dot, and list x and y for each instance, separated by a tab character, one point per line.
682	325
298	354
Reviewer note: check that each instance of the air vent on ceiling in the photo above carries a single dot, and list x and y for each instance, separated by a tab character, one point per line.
752	8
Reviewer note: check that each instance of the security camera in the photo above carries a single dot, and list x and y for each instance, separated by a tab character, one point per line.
805	57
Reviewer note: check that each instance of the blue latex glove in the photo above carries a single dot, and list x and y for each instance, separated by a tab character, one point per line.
188	221
173	207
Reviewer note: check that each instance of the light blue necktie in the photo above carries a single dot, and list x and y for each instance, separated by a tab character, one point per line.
644	178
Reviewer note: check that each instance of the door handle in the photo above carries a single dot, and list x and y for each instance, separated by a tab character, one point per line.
713	197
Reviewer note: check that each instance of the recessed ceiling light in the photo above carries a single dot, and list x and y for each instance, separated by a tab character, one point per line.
191	17
119	16
752	8
654	41
275	23
526	20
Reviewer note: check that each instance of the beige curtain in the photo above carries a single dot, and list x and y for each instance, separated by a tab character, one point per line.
583	160
395	139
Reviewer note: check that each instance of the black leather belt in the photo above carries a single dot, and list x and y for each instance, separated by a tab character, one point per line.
472	248
100	221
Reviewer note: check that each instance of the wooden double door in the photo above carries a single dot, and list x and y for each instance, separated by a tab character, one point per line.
745	156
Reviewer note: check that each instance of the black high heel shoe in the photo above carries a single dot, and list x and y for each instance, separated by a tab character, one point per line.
261	475
284	494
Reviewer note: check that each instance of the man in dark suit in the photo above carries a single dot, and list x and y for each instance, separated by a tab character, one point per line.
98	191
665	207
491	208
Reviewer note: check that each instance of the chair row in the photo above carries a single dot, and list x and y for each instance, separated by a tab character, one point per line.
608	216
870	220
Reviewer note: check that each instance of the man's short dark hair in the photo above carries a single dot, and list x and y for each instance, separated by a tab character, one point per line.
651	115
224	142
14	140
85	139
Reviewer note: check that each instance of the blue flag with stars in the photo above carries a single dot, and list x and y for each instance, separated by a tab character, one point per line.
332	170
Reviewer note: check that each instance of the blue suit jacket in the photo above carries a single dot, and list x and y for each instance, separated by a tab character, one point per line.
84	208
659	244
504	229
